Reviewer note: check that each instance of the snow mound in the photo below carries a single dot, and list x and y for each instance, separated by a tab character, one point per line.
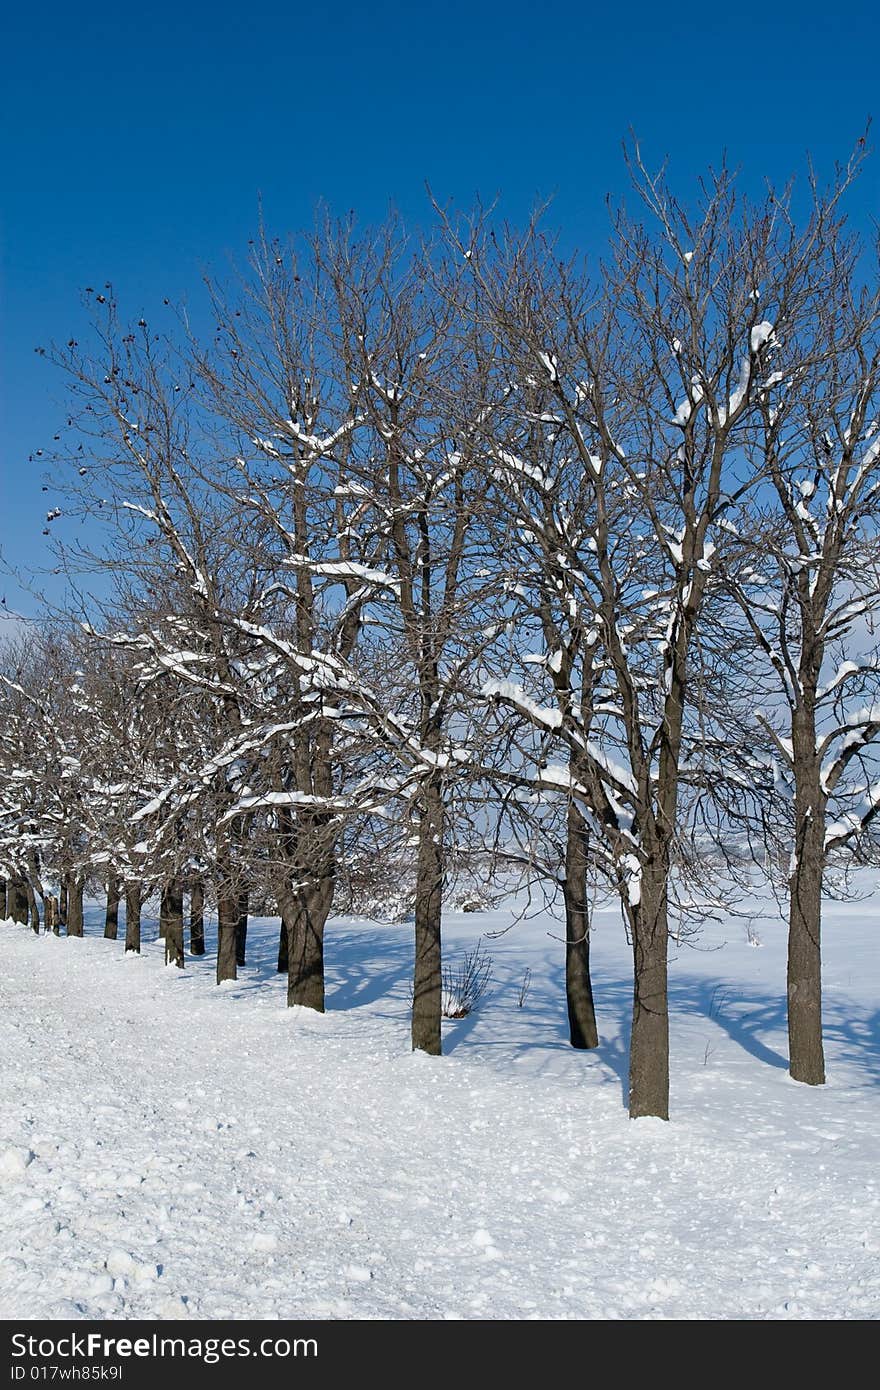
14	1162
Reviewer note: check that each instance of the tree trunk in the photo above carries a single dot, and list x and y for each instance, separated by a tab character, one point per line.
53	915
171	917
241	929
3	899
309	850
33	908
75	890
582	1028
227	930
111	917
804	982
649	1044
35	891
805	1050
62	901
305	916
283	951
428	971
17	899
133	897
197	918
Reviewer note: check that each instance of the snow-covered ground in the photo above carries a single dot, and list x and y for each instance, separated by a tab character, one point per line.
170	1149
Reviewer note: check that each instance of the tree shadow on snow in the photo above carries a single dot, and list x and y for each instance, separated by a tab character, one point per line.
851	1035
362	965
367	965
745	1020
370	964
857	1035
537	1031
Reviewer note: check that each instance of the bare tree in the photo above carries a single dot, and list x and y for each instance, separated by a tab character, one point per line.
806	576
175	550
415	377
273	383
656	382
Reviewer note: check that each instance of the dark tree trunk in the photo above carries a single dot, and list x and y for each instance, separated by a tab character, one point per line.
283	951
171	918
428	971
35	891
804	982
33	908
241	928
62	901
227	930
75	891
582	1028
111	917
17	899
197	918
309	850
305	914
3	899
805	1050
649	1044
53	915
133	900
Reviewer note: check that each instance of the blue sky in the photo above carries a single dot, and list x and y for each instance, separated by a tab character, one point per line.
139	140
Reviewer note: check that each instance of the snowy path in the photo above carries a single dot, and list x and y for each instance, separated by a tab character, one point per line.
168	1149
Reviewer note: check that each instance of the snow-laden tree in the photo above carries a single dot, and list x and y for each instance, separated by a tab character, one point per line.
244	559
137	466
637	406
442	533
806	577
26	756
418	381
137	736
275	386
45	820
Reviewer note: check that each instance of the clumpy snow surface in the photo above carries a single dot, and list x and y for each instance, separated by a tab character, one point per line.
169	1149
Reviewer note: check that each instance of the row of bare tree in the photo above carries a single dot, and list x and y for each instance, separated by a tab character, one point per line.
444	552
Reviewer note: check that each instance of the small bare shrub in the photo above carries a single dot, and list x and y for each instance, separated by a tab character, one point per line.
525	985
465	983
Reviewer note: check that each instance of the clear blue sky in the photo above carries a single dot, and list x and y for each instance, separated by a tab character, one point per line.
138	140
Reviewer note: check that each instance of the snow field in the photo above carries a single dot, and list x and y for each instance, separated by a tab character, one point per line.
169	1149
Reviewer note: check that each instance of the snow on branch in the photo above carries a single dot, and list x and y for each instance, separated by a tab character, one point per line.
343	569
862	729
854	823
